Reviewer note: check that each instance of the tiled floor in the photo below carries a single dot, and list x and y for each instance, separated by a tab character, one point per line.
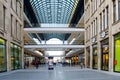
59	73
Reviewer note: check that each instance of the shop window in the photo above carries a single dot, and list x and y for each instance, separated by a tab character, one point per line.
3	63
12	56
117	53
15	57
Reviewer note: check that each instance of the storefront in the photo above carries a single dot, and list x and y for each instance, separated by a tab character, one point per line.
117	53
16	57
74	60
3	64
105	55
88	57
95	57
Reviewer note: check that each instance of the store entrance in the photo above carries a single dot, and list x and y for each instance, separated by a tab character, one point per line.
88	57
105	55
95	57
105	61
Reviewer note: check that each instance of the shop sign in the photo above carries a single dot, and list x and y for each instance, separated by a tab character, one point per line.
93	40
103	34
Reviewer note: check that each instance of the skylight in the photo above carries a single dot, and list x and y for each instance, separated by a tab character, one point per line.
54	11
54	53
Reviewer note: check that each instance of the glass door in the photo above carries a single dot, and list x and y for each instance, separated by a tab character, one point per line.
105	61
105	55
95	57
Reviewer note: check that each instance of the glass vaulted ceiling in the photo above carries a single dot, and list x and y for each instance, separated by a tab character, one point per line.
54	11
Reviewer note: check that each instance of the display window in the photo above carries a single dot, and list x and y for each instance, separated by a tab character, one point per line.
12	56
105	55
3	64
20	57
88	57
16	57
95	57
117	53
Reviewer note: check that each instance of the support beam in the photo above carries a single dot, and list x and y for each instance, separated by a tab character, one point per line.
53	30
45	46
74	52
71	52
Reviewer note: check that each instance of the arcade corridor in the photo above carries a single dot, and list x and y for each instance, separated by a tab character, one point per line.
78	39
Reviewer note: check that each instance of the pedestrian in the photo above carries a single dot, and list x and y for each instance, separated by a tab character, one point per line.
50	65
36	64
27	64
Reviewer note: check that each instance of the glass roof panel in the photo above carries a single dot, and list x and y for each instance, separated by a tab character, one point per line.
54	11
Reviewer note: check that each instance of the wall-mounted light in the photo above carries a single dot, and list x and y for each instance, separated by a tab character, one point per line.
38	52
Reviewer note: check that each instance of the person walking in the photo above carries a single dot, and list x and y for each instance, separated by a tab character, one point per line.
36	64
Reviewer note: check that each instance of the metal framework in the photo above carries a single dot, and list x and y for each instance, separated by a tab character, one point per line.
54	46
54	11
53	30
